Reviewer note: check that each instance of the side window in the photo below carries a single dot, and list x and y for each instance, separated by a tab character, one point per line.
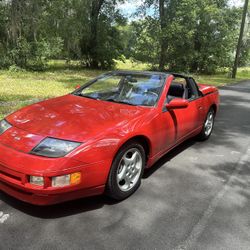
193	92
177	89
182	88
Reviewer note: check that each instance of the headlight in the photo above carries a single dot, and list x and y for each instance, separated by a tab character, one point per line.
66	180
37	180
4	125
51	147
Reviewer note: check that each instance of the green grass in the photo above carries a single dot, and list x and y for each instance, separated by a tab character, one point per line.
221	79
18	89
131	65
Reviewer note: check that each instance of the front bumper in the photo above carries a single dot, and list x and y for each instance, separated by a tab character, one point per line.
36	198
16	167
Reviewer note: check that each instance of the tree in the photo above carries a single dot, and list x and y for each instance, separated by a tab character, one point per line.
244	59
33	31
103	40
163	40
238	49
175	35
92	44
191	35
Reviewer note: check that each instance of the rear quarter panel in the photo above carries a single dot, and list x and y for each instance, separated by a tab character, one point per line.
210	97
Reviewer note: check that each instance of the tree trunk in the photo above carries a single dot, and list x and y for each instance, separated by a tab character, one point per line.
93	43
34	17
15	21
197	48
237	55
163	43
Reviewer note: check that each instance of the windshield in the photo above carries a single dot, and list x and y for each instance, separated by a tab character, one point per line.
132	89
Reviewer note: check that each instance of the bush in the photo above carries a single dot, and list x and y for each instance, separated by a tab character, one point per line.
14	68
33	55
20	54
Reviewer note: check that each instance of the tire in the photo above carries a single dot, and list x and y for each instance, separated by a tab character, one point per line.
207	126
126	171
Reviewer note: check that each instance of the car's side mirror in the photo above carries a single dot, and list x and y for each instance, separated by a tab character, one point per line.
177	103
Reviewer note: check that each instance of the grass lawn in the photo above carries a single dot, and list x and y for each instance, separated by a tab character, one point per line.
221	79
18	89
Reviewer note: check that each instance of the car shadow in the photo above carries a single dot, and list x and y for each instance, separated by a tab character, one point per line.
58	210
168	157
85	204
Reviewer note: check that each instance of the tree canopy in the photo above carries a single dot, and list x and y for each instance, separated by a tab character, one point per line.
177	35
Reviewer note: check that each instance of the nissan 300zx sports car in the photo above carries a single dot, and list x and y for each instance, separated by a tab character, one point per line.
100	138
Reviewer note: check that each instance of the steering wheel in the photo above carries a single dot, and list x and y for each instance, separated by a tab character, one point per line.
151	93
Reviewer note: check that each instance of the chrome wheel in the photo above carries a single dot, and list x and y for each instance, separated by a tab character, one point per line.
209	123
129	169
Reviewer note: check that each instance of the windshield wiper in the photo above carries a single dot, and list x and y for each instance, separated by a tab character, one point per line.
123	102
87	96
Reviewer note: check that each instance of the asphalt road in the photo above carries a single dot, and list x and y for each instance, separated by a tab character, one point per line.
196	197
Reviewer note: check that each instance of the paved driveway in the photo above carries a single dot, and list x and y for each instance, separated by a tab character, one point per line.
196	197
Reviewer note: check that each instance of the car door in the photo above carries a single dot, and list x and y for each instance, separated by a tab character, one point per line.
186	120
198	102
171	126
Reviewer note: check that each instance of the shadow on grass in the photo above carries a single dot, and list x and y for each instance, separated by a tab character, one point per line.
75	69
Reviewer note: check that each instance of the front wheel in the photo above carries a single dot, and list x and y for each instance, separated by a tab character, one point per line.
126	171
207	126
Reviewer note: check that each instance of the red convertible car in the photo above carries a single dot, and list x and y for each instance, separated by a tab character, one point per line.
100	138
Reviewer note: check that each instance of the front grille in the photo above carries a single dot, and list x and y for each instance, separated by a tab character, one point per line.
18	178
16	189
10	175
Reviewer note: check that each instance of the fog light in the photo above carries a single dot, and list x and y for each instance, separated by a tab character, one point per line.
37	180
66	180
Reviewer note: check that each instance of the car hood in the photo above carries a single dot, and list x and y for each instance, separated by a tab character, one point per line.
74	118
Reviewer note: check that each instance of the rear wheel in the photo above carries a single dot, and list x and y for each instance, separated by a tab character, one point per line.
126	171
207	126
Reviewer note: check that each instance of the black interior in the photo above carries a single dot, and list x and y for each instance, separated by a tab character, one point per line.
176	90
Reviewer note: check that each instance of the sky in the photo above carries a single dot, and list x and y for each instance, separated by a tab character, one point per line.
129	6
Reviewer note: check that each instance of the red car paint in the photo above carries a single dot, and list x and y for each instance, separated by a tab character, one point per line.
103	127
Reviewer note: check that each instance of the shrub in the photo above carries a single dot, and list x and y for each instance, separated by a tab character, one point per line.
30	55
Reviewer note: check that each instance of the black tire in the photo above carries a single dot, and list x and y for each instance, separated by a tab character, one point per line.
113	189
204	134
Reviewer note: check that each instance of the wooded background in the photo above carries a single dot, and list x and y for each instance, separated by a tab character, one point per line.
176	35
